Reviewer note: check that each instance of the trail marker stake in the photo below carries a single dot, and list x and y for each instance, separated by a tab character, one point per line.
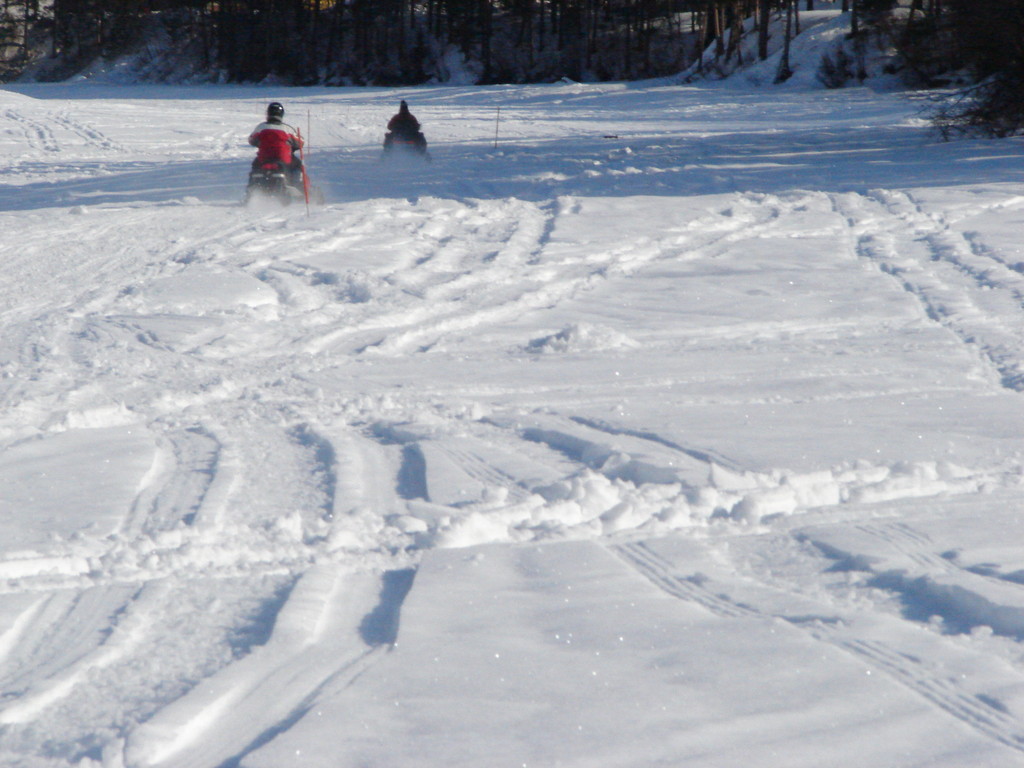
305	176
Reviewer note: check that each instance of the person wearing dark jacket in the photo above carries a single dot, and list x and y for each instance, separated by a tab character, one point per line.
404	130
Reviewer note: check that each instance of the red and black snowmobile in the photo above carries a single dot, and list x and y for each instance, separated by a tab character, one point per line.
273	180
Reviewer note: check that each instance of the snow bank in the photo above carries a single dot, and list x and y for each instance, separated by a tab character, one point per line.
624	495
580	337
820	43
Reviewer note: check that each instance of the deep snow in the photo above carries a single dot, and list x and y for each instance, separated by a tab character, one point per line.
647	425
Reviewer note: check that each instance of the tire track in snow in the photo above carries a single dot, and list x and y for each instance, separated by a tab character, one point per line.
41	132
662	574
323	462
713	490
345	285
316	648
91	136
557	277
102	256
183	515
905	539
931	682
175	488
917	675
966	288
460	281
457	472
107	652
73	317
453	286
38	134
903	561
62	640
417	302
224	471
915	545
223	502
482	473
618	455
709	457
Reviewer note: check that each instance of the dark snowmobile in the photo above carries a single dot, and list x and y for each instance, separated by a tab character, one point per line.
272	181
406	144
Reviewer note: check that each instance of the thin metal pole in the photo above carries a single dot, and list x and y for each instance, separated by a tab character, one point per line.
305	176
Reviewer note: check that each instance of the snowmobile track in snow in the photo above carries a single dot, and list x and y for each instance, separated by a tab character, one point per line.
662	574
977	712
316	650
966	287
38	134
982	713
63	637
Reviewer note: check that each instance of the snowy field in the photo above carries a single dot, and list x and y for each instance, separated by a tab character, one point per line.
648	425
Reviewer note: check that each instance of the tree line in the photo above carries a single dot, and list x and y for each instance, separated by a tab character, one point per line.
401	42
978	47
405	42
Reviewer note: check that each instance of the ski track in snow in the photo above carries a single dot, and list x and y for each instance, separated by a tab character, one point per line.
966	287
314	649
929	681
292	470
39	134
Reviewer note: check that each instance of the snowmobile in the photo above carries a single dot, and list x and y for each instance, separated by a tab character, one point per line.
409	144
271	181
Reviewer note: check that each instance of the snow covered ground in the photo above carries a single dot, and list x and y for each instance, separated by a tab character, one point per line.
647	425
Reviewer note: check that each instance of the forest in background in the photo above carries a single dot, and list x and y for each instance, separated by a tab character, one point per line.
395	42
978	43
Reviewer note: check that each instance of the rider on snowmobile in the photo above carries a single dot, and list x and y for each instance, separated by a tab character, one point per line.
404	128
277	142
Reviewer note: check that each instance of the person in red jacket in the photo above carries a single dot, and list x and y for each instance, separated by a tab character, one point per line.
277	142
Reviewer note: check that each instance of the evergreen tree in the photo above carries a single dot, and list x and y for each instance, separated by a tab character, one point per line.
391	42
988	36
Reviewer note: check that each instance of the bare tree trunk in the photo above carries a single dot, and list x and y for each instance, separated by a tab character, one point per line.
719	30
486	23
764	16
703	37
736	33
785	72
